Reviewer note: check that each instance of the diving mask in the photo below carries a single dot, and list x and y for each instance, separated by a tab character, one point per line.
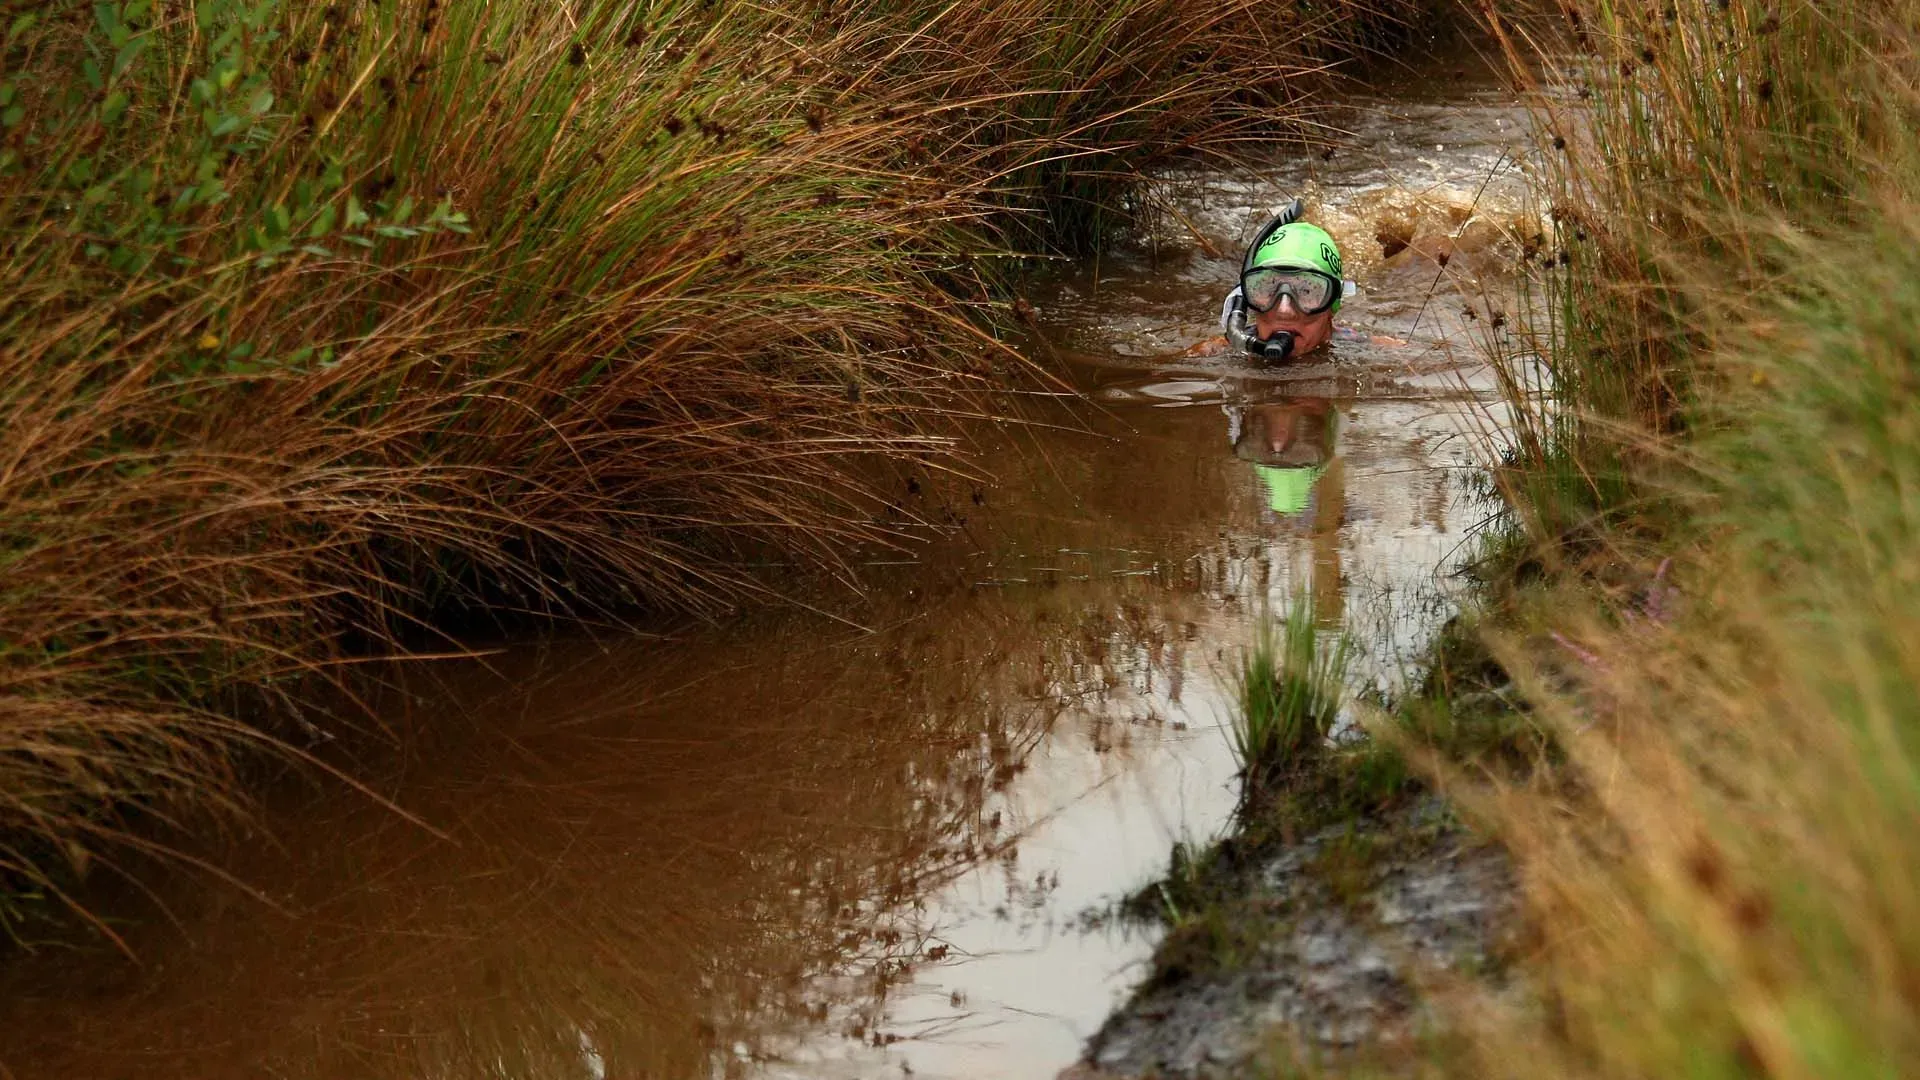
1312	291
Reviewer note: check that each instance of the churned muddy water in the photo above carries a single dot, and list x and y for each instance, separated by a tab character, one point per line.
883	840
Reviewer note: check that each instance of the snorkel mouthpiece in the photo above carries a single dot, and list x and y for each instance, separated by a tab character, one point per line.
1270	350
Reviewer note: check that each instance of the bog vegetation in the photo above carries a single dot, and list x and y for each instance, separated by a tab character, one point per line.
1722	871
1713	618
321	323
1291	684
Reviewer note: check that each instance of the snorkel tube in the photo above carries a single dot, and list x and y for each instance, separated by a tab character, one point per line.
1269	350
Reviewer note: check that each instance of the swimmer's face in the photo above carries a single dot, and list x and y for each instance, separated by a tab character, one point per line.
1309	331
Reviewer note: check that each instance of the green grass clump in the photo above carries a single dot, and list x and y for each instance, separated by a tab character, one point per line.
1679	141
1291	684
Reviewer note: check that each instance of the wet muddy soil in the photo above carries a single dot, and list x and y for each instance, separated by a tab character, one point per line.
862	837
1309	949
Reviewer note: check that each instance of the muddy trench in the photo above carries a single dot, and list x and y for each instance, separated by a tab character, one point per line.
884	838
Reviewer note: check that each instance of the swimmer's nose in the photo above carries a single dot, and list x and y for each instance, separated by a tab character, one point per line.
1286	307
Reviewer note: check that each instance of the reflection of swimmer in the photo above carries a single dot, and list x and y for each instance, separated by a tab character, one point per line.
1293	447
1290	283
1290	444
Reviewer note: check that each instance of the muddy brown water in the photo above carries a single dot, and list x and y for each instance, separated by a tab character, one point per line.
880	841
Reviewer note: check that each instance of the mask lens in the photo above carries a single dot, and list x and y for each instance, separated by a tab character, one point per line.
1262	288
1312	293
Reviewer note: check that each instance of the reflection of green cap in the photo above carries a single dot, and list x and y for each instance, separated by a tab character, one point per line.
1288	489
1309	247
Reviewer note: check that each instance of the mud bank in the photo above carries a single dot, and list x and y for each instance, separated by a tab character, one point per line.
1312	948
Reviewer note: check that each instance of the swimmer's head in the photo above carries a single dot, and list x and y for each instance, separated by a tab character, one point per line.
1292	283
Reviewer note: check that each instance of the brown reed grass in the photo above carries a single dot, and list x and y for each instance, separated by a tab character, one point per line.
320	323
1720	876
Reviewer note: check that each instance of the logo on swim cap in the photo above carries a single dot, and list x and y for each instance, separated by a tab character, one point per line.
1299	244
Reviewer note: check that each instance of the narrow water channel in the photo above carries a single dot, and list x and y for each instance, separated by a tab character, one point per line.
883	841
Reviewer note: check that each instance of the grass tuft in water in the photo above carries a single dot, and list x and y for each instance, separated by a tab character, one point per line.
1292	682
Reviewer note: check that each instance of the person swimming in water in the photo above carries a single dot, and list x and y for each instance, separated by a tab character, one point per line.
1290	288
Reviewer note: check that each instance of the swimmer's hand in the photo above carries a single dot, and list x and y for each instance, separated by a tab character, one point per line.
1216	346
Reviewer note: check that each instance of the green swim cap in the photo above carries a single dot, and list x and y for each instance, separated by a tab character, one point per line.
1289	488
1308	247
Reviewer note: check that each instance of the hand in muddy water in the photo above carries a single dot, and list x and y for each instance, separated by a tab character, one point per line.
1213	346
1347	333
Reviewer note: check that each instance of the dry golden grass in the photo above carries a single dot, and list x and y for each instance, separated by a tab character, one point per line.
1721	877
